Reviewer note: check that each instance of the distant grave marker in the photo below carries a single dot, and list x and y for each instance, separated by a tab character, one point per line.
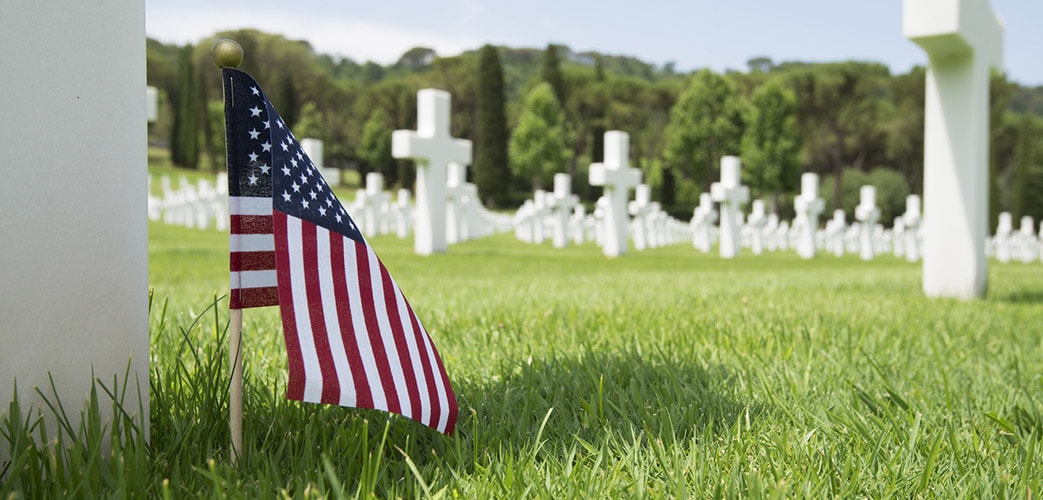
432	148
808	206
731	195
618	179
867	214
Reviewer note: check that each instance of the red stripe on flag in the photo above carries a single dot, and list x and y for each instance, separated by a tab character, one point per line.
317	320
399	337
243	298
373	329
251	224
429	376
252	261
363	395
452	408
295	384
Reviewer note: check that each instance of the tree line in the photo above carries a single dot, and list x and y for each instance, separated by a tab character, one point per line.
534	112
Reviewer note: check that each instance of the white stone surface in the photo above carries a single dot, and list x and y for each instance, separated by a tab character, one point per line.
151	104
640	209
618	179
808	206
562	204
456	190
432	148
731	194
756	223
1002	239
704	216
838	224
867	214
912	219
74	241
1027	246
403	213
963	40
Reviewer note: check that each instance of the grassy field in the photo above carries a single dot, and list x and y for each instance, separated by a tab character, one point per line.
667	373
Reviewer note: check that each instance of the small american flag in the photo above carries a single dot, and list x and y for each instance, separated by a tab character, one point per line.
352	339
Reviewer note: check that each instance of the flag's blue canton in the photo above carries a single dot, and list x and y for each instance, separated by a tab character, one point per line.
275	158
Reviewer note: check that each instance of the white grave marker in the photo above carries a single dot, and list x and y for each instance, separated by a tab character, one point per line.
618	179
403	214
432	148
756	223
913	220
1028	243
456	190
1002	238
731	195
867	214
375	205
703	218
963	40
836	240
641	208
314	149
808	206
75	246
562	203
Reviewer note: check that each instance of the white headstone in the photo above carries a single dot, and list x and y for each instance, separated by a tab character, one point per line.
836	242
562	203
640	209
703	218
375	204
455	190
808	207
1028	243
75	247
432	148
963	40
756	223
1002	238
618	179
913	220
867	214
731	195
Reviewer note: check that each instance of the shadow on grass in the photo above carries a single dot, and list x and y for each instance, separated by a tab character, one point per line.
598	396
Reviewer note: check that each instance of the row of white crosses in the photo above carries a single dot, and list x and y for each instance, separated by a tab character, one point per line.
1024	245
201	206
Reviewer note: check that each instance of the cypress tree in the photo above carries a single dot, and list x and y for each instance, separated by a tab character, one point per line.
184	141
552	72
491	171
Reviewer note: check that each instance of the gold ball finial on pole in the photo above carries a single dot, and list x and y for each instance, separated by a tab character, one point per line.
227	53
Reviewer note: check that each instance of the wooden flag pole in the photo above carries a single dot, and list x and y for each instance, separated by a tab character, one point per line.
229	54
235	388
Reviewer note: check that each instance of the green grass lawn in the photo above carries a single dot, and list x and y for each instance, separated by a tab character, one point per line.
664	373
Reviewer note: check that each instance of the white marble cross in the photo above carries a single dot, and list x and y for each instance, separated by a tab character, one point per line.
618	179
1002	238
562	203
756	222
375	204
731	194
912	220
541	210
836	240
456	192
703	218
432	148
403	210
640	208
808	206
867	213
963	40
1028	243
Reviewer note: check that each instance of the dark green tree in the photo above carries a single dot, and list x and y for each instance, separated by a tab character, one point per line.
374	149
491	171
705	124
537	146
551	73
1028	169
771	144
184	141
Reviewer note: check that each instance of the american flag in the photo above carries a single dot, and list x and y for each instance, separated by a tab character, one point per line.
352	338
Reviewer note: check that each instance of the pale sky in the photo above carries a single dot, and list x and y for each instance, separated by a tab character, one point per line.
720	34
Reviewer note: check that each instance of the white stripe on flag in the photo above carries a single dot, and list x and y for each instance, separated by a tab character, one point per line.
414	355
305	335
358	323
254	279
397	374
329	313
249	205
251	243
